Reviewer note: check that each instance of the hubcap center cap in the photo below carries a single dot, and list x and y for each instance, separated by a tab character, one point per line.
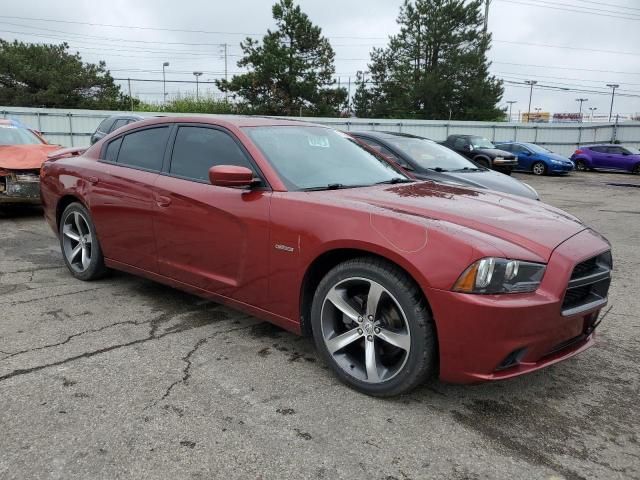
368	327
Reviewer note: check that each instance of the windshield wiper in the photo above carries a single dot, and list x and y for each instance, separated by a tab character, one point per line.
395	180
468	169
331	186
438	169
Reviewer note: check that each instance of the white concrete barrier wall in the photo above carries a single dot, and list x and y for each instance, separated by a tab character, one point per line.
74	128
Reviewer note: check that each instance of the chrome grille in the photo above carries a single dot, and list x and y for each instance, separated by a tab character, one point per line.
589	285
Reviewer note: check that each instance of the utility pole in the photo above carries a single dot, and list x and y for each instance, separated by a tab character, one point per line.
130	96
581	100
226	92
613	87
486	16
511	102
349	97
164	83
197	75
532	83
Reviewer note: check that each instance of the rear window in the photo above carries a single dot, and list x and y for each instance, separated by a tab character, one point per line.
105	125
121	122
144	149
111	153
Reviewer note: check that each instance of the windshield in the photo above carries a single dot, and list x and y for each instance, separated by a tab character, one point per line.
538	148
632	151
480	142
12	135
308	157
430	155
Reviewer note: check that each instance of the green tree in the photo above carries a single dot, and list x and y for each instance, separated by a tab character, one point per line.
435	68
290	71
50	76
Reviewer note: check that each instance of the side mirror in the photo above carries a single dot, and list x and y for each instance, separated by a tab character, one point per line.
230	176
467	148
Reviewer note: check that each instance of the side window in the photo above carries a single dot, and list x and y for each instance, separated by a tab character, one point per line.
615	150
598	149
519	149
121	122
105	125
507	147
459	143
111	153
384	151
197	149
144	149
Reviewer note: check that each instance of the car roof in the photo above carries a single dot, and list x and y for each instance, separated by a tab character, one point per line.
228	120
126	116
383	134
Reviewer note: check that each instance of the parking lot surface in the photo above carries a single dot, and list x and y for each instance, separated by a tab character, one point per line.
126	378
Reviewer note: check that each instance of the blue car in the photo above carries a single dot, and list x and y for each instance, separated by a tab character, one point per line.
536	159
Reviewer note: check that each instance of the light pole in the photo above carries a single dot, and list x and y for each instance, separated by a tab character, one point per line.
532	83
581	100
593	109
613	87
164	83
197	75
511	102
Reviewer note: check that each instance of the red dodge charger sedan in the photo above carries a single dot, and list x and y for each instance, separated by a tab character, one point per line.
395	279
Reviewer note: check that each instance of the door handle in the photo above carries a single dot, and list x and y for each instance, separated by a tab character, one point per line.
92	180
163	201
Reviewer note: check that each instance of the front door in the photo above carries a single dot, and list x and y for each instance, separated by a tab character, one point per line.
214	238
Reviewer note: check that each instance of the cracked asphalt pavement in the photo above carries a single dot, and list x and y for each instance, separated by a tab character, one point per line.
125	378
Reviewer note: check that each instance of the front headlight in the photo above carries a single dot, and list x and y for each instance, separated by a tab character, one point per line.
500	275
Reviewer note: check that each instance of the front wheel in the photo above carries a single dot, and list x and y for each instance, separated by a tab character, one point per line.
636	169
539	168
372	325
483	162
79	244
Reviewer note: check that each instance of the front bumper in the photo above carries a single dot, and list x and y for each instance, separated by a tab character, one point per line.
559	168
494	337
20	188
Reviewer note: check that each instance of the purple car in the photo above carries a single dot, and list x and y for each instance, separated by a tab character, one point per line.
607	157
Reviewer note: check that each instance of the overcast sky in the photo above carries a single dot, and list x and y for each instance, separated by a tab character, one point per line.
604	41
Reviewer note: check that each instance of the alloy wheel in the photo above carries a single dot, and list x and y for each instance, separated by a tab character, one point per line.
77	241
580	165
538	168
365	330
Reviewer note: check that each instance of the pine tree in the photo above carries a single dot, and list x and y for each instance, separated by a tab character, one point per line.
290	71
436	67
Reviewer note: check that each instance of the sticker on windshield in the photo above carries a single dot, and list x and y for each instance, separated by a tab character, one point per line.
8	126
318	141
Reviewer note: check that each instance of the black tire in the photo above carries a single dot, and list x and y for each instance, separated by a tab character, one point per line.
420	361
636	169
483	162
581	166
539	168
95	268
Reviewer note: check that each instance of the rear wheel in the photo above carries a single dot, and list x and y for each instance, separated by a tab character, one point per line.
581	166
372	325
539	168
636	169
79	244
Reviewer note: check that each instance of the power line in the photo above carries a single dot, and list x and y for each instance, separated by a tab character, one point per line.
553	6
608	4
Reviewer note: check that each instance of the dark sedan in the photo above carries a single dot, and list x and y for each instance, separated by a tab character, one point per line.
113	123
428	160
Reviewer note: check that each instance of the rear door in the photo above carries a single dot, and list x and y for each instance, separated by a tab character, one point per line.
122	201
525	157
598	156
215	238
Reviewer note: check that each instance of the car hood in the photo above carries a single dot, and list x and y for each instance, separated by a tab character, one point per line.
555	156
495	152
529	224
488	179
24	157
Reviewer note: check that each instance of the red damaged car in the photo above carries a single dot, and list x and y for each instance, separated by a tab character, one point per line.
395	279
22	153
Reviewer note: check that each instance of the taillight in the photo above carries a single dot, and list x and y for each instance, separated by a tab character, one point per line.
578	152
